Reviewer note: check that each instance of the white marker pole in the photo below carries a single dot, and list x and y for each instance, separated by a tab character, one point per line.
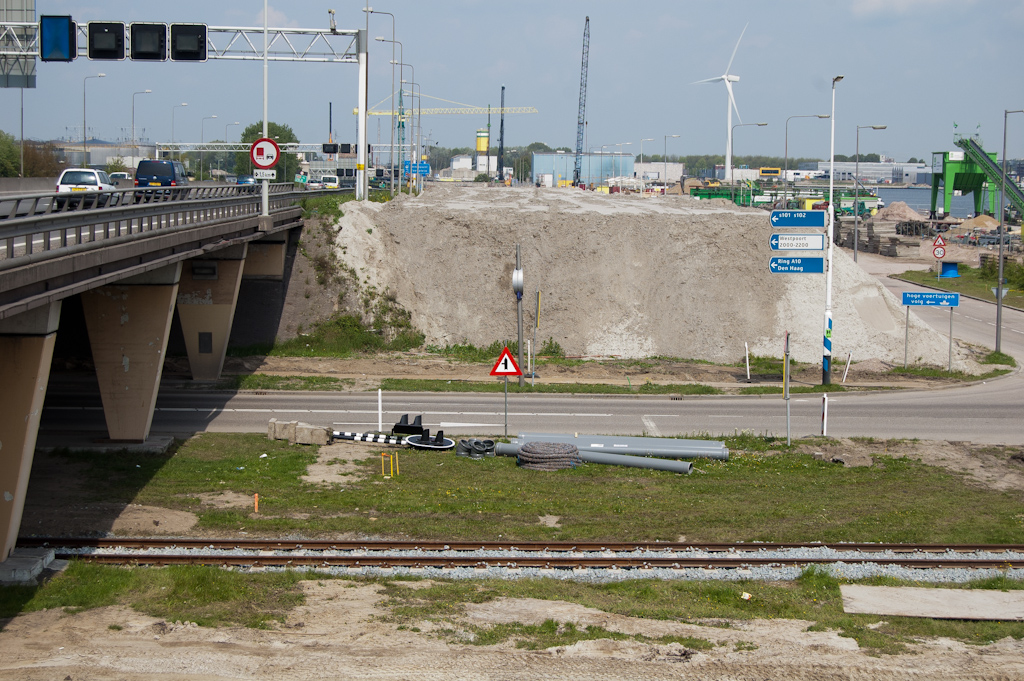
848	358
380	411
746	353
824	415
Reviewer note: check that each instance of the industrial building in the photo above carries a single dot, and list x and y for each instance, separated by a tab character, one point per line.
555	168
890	171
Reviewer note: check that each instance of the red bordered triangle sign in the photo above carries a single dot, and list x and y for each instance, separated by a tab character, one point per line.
939	241
506	365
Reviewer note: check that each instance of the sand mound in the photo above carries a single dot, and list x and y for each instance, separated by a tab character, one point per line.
981	222
620	276
898	211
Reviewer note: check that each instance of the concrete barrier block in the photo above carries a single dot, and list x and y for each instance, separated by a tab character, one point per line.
306	434
272	429
286	430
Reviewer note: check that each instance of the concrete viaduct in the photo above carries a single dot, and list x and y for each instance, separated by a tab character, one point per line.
133	257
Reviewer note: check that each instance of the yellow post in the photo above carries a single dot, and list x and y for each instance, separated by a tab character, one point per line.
256	502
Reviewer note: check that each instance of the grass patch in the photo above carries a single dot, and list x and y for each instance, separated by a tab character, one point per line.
766	492
267	382
207	596
976	282
936	372
793	389
345	336
443	386
814	596
998	358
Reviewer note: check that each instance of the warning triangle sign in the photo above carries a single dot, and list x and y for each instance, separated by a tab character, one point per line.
939	241
506	365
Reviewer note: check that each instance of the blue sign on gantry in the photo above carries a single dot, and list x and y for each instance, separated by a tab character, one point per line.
796	265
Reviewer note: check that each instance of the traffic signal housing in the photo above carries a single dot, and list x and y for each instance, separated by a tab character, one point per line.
188	42
106	40
58	38
330	148
148	42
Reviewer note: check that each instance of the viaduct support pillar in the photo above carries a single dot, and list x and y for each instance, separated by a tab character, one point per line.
26	346
206	307
128	325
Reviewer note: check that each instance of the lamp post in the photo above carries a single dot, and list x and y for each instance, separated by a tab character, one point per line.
172	119
401	78
618	160
202	140
856	189
391	149
226	129
1002	234
785	177
414	162
733	137
85	134
826	356
647	139
664	180
134	145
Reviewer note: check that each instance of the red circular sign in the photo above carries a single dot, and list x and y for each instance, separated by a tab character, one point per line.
939	252
264	153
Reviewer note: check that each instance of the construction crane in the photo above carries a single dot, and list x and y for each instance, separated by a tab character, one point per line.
581	123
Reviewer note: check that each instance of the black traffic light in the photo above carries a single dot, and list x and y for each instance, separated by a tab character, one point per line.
188	42
330	148
106	40
58	38
148	42
346	148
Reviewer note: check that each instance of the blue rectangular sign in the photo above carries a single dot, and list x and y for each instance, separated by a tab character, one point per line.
422	168
931	299
798	218
797	265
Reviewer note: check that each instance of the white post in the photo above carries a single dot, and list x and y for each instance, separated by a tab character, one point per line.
265	198
824	415
361	179
746	353
380	411
848	358
826	357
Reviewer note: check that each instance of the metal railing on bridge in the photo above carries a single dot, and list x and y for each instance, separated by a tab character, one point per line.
47	225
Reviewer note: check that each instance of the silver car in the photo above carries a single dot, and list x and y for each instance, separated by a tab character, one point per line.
79	180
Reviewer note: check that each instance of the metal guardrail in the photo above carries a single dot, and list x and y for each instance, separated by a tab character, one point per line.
39	226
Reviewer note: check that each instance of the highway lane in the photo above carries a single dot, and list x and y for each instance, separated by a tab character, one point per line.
986	413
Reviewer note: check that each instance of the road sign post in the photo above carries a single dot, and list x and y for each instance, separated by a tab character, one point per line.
506	366
929	299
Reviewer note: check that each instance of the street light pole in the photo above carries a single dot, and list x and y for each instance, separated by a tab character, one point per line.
785	177
648	139
856	190
391	149
202	140
1002	233
664	180
733	138
134	145
226	129
172	119
826	356
85	134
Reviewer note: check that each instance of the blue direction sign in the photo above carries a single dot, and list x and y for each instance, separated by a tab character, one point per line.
797	265
931	299
797	242
798	218
422	168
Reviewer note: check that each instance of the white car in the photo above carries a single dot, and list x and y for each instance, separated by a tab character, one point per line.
76	180
330	181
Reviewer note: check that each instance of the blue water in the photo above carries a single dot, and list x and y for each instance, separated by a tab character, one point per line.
920	199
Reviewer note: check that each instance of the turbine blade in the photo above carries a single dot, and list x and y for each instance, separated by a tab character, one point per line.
732	100
707	80
727	68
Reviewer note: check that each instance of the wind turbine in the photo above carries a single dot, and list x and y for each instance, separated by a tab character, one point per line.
730	106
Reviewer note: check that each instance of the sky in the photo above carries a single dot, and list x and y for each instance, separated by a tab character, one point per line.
916	66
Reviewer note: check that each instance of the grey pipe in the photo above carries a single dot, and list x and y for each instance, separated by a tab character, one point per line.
637	446
502	449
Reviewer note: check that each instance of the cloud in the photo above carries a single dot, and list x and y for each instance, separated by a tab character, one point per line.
276	19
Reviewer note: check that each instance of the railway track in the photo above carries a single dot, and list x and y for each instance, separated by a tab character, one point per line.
256	553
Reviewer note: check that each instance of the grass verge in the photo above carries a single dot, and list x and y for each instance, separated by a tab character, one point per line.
268	382
766	492
432	385
973	281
